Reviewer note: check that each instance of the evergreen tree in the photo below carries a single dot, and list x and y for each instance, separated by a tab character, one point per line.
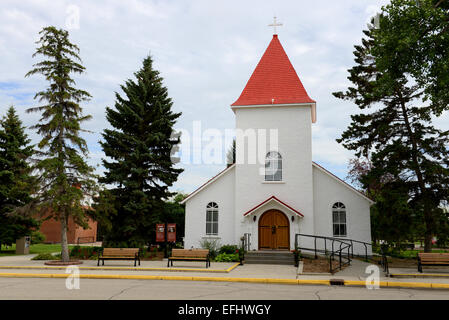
395	129
139	146
65	178
174	212
16	179
230	155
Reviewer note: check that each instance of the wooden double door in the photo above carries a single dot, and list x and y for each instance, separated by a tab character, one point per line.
274	231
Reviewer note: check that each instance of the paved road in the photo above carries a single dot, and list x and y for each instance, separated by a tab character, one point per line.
38	288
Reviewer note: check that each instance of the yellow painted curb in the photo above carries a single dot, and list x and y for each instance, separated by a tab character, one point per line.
123	268
354	283
391	284
313	281
232	267
415	275
440	285
409	284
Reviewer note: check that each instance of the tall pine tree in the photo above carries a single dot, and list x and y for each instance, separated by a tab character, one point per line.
65	178
395	127
15	176
139	146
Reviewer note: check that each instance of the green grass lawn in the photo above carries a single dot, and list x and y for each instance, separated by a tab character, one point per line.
34	249
408	254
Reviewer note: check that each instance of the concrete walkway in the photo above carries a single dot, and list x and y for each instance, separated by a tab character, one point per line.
354	274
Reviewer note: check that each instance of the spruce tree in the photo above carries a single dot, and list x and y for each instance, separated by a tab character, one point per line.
139	146
15	176
65	178
230	155
395	129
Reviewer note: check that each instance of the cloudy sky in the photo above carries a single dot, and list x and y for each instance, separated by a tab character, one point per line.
205	51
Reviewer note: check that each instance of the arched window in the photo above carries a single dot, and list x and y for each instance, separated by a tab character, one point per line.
273	166
212	219
339	219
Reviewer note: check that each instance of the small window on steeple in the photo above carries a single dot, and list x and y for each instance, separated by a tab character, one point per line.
273	166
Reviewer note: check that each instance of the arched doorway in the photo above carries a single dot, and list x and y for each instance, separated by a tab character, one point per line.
274	231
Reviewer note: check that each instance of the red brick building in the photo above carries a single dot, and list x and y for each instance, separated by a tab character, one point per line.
52	231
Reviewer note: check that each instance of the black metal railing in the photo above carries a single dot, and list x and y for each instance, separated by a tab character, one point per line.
333	247
365	244
246	245
383	259
384	263
345	250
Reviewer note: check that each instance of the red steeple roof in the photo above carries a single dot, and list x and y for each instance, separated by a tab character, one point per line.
274	78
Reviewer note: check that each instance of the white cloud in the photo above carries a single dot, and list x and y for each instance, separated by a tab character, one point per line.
205	51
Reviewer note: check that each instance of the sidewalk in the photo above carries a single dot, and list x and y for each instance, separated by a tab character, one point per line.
196	271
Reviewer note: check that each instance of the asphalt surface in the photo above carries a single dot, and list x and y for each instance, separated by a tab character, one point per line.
99	289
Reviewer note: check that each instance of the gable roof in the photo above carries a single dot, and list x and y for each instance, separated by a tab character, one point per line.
274	81
204	185
347	185
270	199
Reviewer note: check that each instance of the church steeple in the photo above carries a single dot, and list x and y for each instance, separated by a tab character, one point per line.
274	81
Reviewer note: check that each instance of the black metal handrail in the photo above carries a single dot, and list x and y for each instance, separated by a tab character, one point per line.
384	263
332	252
365	244
246	245
384	257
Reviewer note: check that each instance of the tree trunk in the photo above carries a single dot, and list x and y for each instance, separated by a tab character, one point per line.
422	186
64	244
427	240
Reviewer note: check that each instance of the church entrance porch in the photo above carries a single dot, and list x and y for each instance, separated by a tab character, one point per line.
274	231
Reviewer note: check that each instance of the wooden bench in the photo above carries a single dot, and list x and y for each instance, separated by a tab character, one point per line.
189	255
432	259
120	254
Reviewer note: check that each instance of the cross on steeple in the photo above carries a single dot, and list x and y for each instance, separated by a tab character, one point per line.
275	24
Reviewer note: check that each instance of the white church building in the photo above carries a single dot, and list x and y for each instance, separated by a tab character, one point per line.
288	193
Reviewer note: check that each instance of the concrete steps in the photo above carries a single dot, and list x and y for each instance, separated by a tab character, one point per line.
270	257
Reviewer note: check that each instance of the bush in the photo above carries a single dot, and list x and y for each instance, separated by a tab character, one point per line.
148	252
37	237
226	257
85	252
45	256
211	245
123	244
229	249
178	245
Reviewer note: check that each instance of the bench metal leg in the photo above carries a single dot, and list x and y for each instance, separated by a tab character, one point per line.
98	263
419	266
168	263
